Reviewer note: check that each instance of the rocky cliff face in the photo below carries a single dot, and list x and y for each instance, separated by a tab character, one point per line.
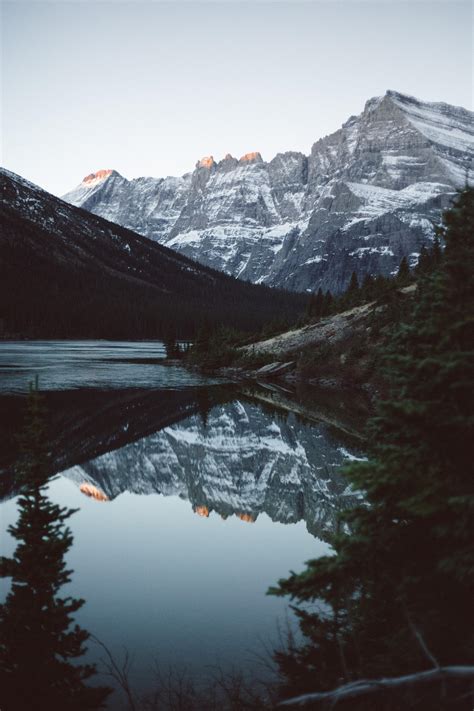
367	195
243	461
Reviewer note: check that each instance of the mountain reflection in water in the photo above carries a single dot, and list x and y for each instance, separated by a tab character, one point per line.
241	459
185	497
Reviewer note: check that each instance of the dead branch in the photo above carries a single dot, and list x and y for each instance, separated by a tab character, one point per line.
373	686
419	638
119	673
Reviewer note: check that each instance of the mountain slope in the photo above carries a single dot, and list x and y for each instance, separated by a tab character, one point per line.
366	196
65	272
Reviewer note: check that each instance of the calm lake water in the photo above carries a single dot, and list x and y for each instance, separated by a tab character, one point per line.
62	365
194	498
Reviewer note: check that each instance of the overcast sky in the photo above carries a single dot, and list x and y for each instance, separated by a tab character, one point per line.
147	88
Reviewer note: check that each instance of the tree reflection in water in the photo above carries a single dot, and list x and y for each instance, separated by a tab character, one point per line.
39	643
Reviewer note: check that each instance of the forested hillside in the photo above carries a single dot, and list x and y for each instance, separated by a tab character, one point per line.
65	273
395	629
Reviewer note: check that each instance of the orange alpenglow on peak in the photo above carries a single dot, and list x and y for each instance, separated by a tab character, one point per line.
93	492
96	177
206	162
251	157
202	511
248	518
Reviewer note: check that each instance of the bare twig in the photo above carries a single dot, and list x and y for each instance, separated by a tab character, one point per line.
419	638
120	673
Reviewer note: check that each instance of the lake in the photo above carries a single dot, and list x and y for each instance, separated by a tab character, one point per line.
194	497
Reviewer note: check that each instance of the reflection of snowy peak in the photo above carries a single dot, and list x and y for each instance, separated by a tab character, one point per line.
243	461
366	195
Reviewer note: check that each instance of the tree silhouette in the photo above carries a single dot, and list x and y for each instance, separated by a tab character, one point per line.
316	305
38	647
403	570
403	276
353	284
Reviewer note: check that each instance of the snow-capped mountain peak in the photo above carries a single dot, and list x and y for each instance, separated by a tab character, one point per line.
365	196
98	177
206	162
252	157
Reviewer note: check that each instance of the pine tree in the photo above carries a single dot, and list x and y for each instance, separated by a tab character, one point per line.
350	297
353	284
327	303
368	287
311	307
424	261
383	288
316	305
407	562
430	259
171	344
319	304
38	648
437	254
203	338
403	276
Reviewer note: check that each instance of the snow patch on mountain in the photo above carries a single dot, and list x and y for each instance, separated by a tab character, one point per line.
385	177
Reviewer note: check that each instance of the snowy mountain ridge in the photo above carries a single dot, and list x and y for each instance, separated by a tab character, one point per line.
365	196
241	461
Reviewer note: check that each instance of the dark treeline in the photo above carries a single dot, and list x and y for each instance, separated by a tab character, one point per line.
216	346
395	601
66	273
373	288
40	299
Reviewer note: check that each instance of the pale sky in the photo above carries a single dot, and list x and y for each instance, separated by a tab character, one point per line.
148	88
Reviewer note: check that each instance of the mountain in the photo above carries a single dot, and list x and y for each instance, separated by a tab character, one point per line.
85	423
365	196
224	450
239	459
65	272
